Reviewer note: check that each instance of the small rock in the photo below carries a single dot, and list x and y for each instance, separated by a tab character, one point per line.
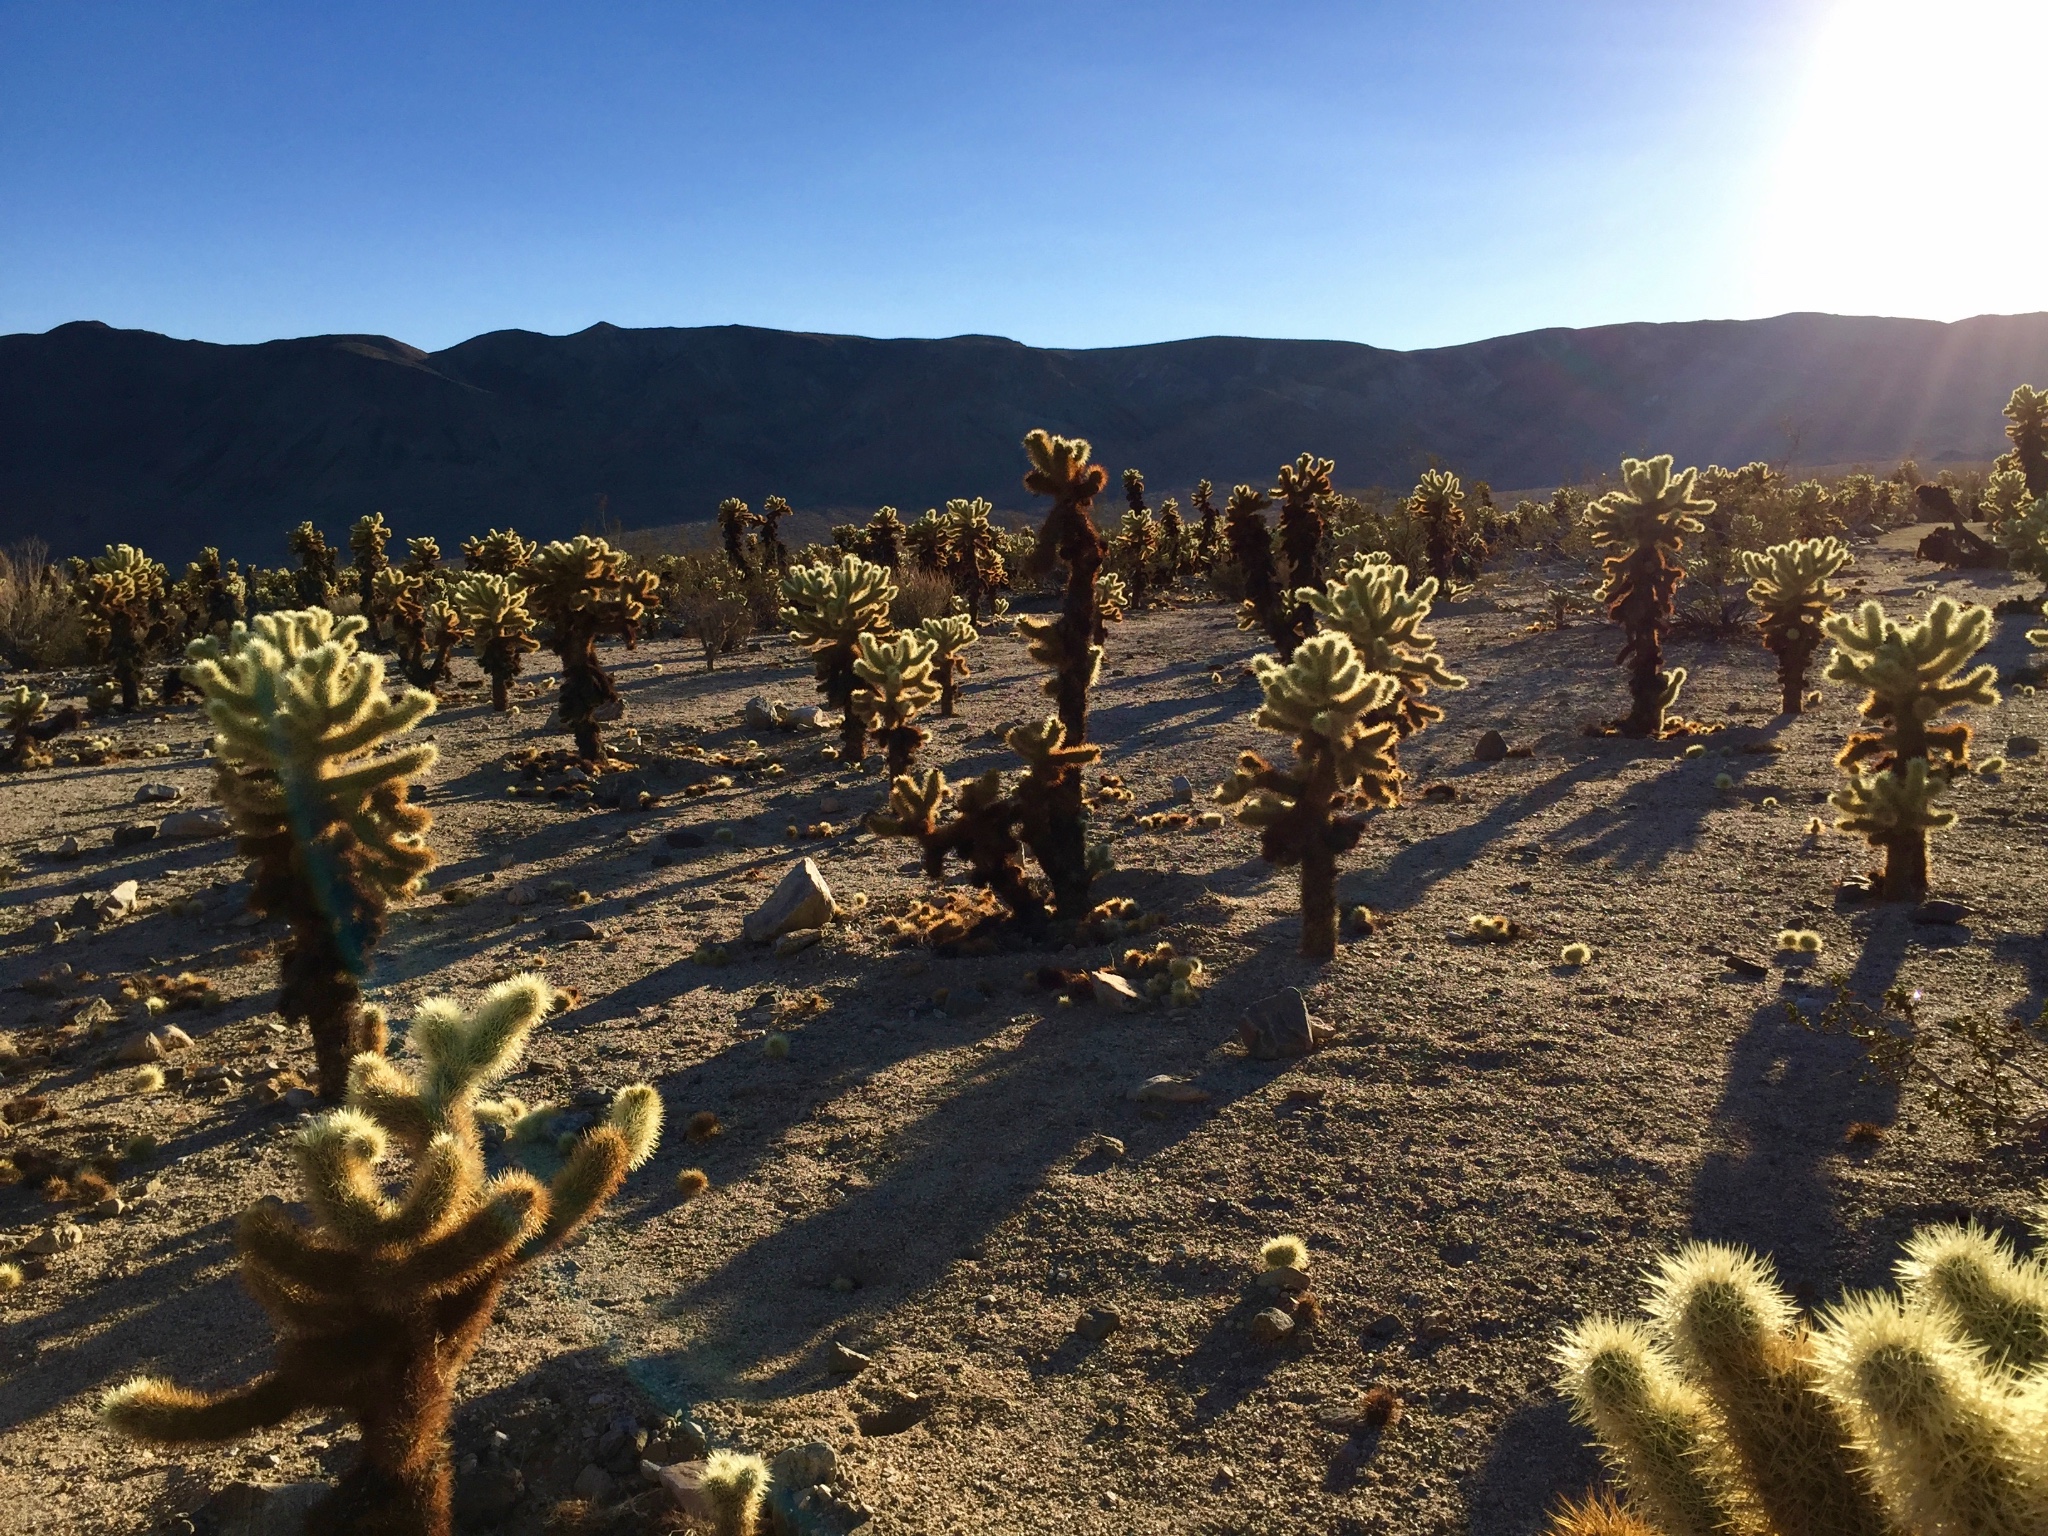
805	1466
1271	1326
193	826
592	1484
1098	1323
113	1205
576	931
1284	1277
1108	1146
764	714
688	1439
135	832
801	900
1940	912
115	904
69	849
155	794
1183	790
847	1362
301	1099
806	717
1742	965
1168	1089
93	1013
521	893
905	1415
1112	991
61	1238
144	1048
1278	1027
1855	888
683	1482
2022	746
1491	747
792	943
174	1038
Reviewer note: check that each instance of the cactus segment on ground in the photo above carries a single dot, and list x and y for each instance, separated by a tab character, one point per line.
897	682
950	634
1326	700
1899	769
1373	607
828	607
493	607
583	591
299	715
1644	523
1793	598
381	1301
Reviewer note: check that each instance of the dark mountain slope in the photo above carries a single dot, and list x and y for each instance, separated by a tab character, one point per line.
109	434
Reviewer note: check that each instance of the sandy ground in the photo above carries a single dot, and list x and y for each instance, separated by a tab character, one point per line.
1495	1144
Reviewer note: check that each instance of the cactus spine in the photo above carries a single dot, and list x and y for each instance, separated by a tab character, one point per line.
974	555
828	608
1913	674
1790	589
298	715
950	634
1644	523
583	591
1373	607
897	677
381	1301
1325	699
501	630
1302	489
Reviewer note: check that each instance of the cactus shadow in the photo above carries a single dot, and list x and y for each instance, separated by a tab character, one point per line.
1538	1457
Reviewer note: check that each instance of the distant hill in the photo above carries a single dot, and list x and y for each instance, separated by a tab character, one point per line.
108	434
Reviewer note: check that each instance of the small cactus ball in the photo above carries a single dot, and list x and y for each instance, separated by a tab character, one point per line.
1284	1252
1576	954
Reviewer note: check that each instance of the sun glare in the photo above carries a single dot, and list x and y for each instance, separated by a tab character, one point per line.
1905	183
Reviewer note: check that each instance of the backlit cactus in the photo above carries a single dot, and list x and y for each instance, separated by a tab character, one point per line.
882	541
981	832
1301	488
380	1301
974	556
583	591
499	553
950	634
1375	609
1136	545
1438	503
736	524
423	557
299	715
897	683
1789	585
29	729
2026	417
493	607
928	542
1208	531
1899	769
1644	523
1326	700
123	596
774	553
367	541
828	608
1265	605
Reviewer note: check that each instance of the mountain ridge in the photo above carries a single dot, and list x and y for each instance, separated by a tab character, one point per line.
110	434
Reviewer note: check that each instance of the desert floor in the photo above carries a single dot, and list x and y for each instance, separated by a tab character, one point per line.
1495	1144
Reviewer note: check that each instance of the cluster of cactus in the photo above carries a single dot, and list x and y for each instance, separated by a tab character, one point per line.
499	553
299	715
1136	545
736	524
317	582
1644	523
1208	540
774	553
127	616
1342	718
828	608
418	620
1793	599
1901	767
882	540
382	1300
1251	547
493	610
583	591
1173	544
1922	1410
928	542
973	554
367	541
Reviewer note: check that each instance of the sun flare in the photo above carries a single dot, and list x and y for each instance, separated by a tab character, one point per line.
1903	184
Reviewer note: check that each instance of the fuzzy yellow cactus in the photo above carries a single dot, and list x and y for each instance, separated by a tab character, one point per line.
584	591
896	683
501	629
2026	425
499	553
1789	585
974	555
736	1487
1438	504
1374	608
828	607
299	717
1914	674
367	541
1302	489
1112	597
1327	701
382	1300
1644	523
950	634
122	593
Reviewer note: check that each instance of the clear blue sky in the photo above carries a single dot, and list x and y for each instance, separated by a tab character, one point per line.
1408	174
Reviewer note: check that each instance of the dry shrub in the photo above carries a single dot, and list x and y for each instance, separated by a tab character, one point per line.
920	595
40	626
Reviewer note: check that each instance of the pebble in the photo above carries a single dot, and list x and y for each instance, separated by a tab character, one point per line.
847	1362
575	931
1183	790
592	1484
805	1466
1112	991
1098	1323
1271	1326
1940	912
800	900
1168	1089
61	1238
135	832
157	793
193	826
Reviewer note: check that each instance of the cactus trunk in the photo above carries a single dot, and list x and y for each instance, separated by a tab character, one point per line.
1905	873
1318	868
587	689
1792	680
946	687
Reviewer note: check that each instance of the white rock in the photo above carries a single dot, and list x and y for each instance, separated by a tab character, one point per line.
61	1238
762	713
802	899
805	1466
156	794
1112	991
193	826
1168	1089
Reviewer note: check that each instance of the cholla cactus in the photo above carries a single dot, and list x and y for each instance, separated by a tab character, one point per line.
1900	1413
1173	543
417	624
215	593
1325	699
981	832
1208	531
929	541
382	1300
828	608
2024	538
299	715
29	730
950	634
736	522
1374	608
1135	549
501	629
583	591
897	673
123	594
367	541
318	577
1913	674
1112	598
1301	489
736	1487
2026	415
882	541
1645	523
499	554
974	553
774	553
1049	807
1791	592
423	558
1071	644
1251	546
1438	503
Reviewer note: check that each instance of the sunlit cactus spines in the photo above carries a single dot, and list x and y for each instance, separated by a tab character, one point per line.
1265	605
1656	1428
382	1299
950	635
1325	699
1301	489
1901	767
2024	538
29	727
215	592
736	524
774	553
828	608
300	717
1993	1297
1173	543
1438	502
1373	607
1208	531
123	596
1135	550
582	590
499	553
896	685
500	629
736	1487
1048	800
366	542
1060	469
973	553
1112	600
1790	587
883	538
318	578
1738	1336
928	542
1644	524
422	556
981	831
2026	416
